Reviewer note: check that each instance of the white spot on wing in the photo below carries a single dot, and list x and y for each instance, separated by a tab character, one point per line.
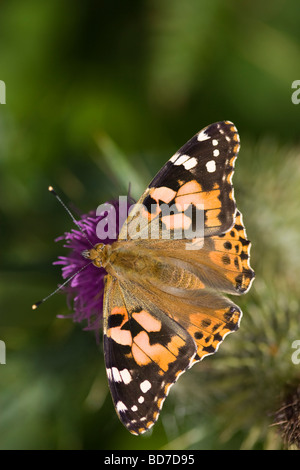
174	158
134	408
181	160
215	142
145	386
211	166
141	399
121	407
191	163
116	375
202	136
125	375
216	153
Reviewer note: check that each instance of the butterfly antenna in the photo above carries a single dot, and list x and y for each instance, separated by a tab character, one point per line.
37	304
52	191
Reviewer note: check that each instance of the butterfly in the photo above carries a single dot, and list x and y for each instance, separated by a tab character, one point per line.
164	303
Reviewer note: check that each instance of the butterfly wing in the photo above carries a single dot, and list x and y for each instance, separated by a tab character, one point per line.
221	262
145	352
198	175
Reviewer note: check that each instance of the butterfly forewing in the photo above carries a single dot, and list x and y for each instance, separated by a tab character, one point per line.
145	352
196	178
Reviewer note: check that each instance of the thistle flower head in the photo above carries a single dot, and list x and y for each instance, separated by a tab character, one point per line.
287	418
85	290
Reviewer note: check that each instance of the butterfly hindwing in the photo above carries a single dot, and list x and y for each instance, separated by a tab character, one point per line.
220	263
231	253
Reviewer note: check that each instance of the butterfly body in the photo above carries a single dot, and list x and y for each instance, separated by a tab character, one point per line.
164	308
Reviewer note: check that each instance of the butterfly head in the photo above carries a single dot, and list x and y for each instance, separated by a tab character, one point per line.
95	254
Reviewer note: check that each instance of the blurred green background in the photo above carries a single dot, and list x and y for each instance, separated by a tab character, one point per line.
99	94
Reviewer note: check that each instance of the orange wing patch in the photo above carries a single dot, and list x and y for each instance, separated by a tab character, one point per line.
163	194
209	331
192	187
191	193
232	254
147	321
213	218
117	320
143	352
142	349
177	221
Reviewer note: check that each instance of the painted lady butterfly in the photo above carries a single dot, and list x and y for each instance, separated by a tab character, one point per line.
163	304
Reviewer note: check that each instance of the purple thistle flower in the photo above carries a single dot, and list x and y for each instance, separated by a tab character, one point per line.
86	289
